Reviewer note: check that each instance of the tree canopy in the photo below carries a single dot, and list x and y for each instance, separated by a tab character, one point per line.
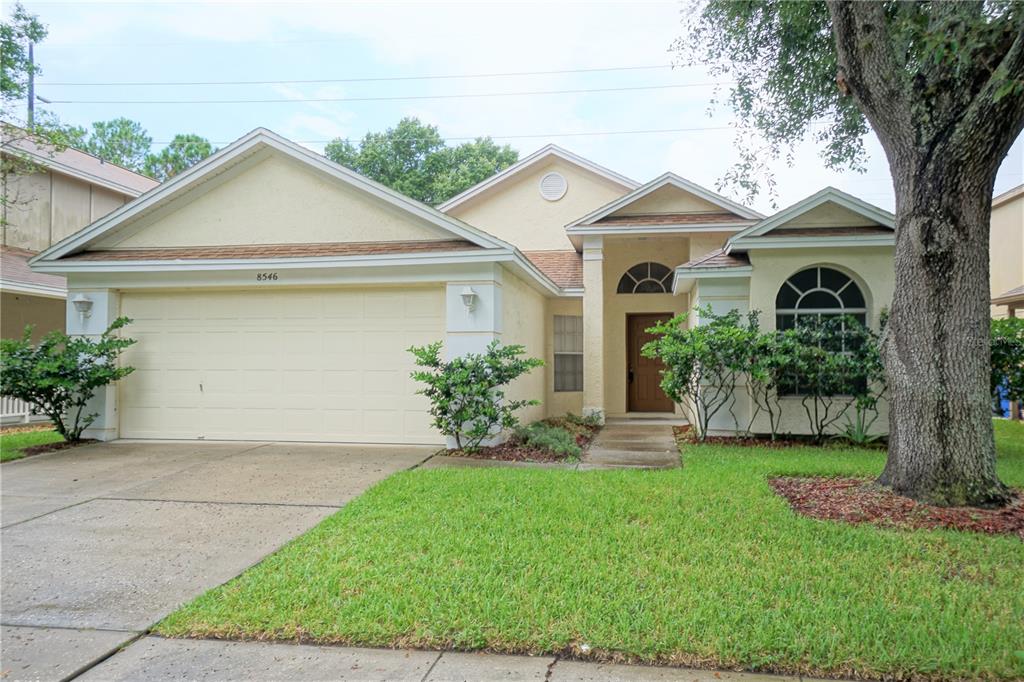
789	84
182	153
412	158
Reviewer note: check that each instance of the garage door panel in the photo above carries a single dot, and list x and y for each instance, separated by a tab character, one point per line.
327	364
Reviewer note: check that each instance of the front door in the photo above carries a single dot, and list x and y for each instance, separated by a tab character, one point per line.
644	374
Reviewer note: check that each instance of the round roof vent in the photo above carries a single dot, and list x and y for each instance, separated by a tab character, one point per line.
553	186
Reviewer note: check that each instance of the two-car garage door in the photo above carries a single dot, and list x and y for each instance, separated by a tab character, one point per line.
279	364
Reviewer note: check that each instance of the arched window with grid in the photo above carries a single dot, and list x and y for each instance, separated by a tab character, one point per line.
646	278
818	292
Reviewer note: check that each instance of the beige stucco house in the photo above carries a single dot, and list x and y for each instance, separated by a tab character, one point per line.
1006	253
65	191
275	294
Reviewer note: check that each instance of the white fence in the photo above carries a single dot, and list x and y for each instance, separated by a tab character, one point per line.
14	411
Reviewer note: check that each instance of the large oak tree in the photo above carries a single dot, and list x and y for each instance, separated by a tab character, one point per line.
940	84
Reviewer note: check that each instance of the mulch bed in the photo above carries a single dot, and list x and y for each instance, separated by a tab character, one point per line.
860	500
513	450
508	452
53	447
685	436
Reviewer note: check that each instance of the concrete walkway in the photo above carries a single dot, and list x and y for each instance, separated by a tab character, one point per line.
154	658
633	444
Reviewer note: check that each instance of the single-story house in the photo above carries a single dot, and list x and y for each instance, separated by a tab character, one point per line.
275	294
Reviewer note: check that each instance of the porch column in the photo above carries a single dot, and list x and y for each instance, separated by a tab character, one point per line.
473	306
593	326
106	305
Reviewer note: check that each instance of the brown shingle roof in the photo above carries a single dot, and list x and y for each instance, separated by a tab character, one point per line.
14	268
828	232
669	219
564	268
87	165
277	250
718	259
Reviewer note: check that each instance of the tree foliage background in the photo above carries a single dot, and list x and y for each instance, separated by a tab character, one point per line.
412	158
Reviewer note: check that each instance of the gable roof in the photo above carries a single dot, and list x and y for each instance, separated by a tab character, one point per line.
879	235
740	214
258	140
82	166
541	155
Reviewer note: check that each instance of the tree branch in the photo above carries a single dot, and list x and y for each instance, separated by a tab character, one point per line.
872	70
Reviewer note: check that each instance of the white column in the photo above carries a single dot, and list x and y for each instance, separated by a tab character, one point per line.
472	330
105	309
593	327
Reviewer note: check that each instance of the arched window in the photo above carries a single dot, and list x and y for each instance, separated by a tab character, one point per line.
819	293
646	278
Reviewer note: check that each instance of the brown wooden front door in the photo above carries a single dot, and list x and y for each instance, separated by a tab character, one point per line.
644	374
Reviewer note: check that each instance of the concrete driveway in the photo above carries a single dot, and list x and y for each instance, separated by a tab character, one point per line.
100	542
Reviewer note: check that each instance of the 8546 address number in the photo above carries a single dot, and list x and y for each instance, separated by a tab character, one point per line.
266	276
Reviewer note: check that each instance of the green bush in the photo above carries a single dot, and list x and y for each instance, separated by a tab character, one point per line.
466	397
60	375
549	438
1008	358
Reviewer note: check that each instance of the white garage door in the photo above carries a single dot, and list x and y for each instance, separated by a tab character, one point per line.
301	365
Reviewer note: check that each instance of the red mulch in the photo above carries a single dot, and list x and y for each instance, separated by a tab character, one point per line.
859	500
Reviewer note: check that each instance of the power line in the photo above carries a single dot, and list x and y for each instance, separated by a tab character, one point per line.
366	79
518	136
479	95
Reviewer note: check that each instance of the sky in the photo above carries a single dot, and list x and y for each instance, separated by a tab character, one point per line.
379	52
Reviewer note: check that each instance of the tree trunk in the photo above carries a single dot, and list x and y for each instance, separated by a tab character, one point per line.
936	347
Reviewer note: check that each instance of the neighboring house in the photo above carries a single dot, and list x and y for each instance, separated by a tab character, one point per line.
275	294
1006	253
69	190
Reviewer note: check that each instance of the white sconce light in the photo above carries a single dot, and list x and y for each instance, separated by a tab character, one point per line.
83	304
469	299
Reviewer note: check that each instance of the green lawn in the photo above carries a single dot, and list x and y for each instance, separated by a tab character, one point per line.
700	566
12	444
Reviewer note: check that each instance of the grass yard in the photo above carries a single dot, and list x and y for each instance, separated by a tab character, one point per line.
700	566
13	444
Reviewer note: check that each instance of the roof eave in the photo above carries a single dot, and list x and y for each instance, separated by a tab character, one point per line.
744	244
684	278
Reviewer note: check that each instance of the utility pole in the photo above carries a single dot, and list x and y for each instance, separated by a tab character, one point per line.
31	87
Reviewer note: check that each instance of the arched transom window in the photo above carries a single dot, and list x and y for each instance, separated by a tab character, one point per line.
646	278
818	292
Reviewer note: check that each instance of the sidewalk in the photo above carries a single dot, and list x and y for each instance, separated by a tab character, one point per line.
155	658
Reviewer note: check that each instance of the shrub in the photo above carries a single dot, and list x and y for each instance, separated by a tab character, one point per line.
60	375
834	364
549	438
1008	359
466	397
702	363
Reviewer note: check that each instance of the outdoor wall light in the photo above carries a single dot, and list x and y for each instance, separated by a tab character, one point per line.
83	304
469	299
